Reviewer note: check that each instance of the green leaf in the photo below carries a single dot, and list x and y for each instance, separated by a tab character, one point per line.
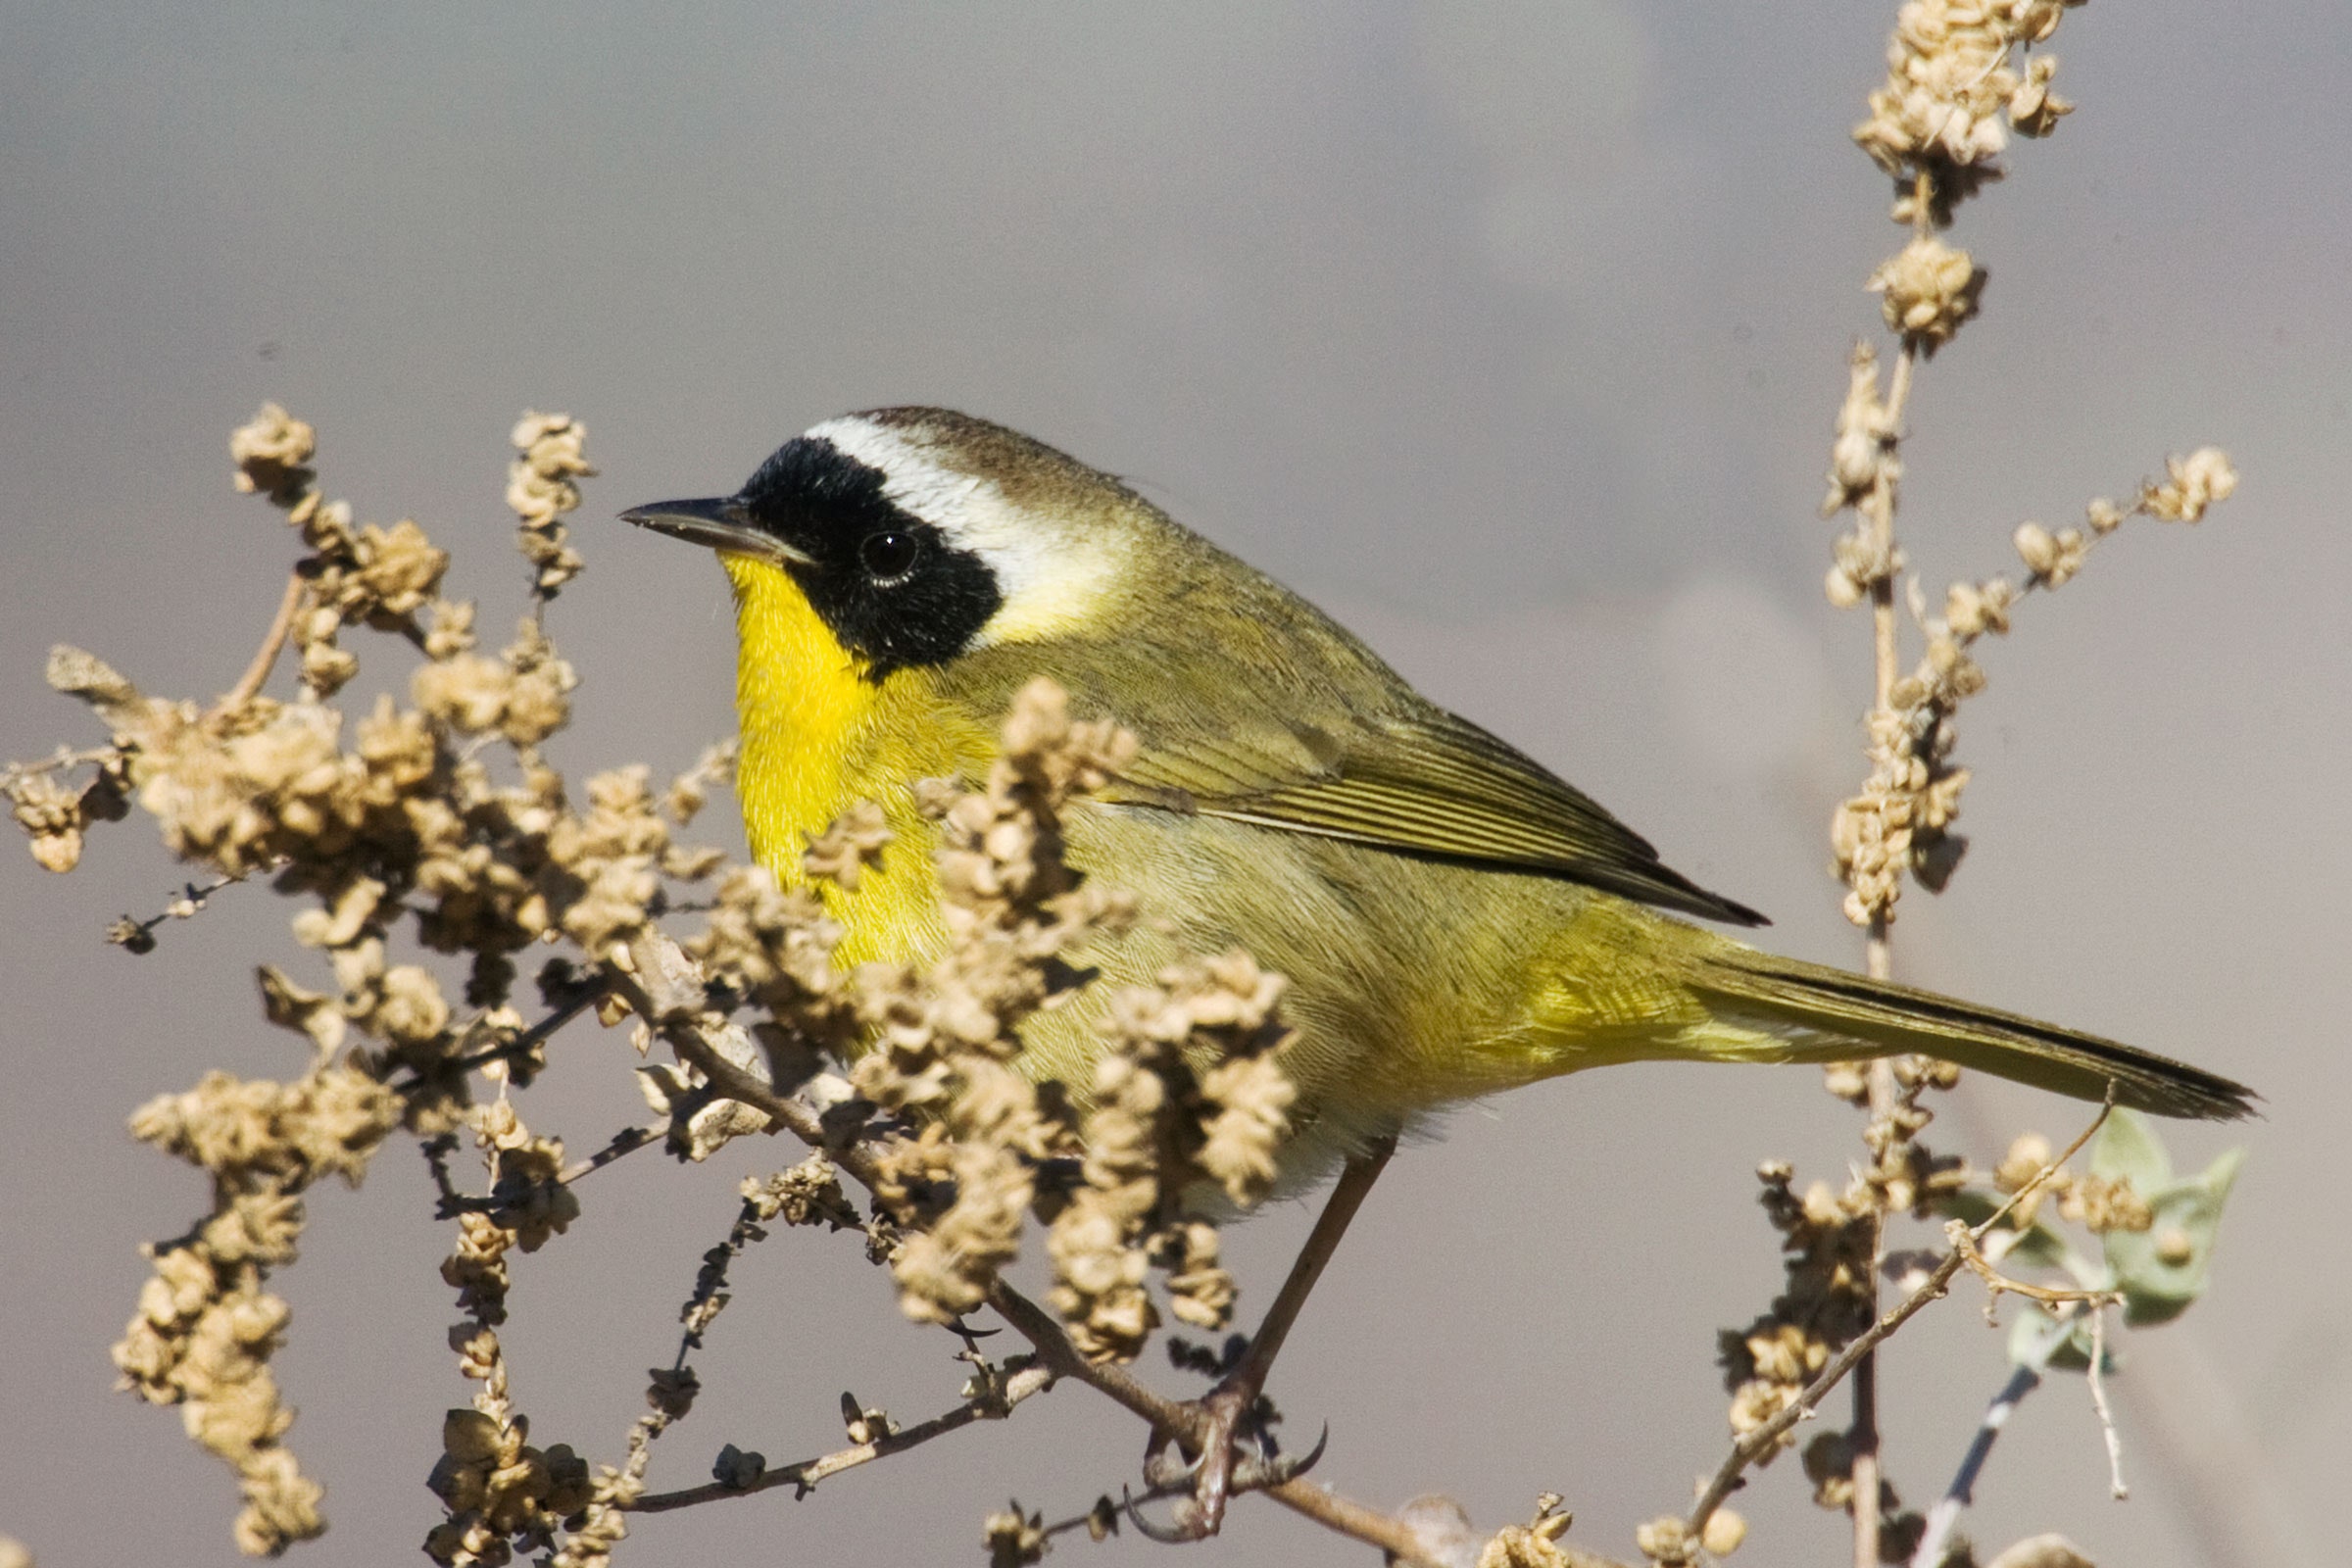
2038	1342
2162	1269
2128	1148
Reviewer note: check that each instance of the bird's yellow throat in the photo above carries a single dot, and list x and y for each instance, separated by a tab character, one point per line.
819	737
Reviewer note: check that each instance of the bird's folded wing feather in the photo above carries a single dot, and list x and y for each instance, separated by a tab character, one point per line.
1424	784
1375	764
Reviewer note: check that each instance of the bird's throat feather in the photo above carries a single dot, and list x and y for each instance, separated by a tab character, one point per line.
818	737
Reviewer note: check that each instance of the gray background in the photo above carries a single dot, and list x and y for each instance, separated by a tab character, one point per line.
1513	333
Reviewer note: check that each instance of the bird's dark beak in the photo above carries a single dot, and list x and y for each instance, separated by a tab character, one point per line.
720	524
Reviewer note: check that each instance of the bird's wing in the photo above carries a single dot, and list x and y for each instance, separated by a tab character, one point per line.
1285	720
1423	783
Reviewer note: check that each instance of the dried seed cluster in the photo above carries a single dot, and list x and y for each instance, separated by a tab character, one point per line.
1189	1093
1015	1539
436	827
1533	1545
1156	1124
1902	1176
1952	96
206	1328
1902	819
1938	125
1956	88
1827	1240
2097	1203
409	824
502	1492
1832	1243
542	487
946	1036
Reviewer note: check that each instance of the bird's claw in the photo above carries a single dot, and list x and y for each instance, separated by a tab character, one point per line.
1217	1471
1165	1535
1165	1467
1275	1469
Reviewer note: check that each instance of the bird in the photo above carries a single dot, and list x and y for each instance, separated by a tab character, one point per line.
1453	919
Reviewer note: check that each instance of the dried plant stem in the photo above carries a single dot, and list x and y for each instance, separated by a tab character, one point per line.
1369	1525
1862	1436
624	1142
1763	1438
273	642
1188	1422
2099	1401
805	1475
627	1140
1878	511
659	992
1045	1336
65	759
131	933
1878	953
1762	1441
2194	1430
2046	1294
1938	1535
1392	1535
537	1034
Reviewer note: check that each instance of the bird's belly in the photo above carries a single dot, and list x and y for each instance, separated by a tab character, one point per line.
1413	983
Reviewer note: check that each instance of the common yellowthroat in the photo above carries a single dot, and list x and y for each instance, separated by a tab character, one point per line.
1453	919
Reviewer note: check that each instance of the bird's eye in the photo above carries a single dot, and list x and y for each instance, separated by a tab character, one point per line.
888	555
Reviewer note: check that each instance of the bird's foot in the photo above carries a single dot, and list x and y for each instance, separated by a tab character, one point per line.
1235	1417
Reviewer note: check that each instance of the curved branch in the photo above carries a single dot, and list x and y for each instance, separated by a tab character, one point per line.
264	659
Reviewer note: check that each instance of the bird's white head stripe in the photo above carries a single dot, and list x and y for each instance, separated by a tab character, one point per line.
1051	570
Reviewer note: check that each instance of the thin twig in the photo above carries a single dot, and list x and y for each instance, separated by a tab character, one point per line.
1862	1434
529	1039
1184	1421
803	1476
2099	1401
1328	1508
1999	1283
1757	1444
1749	1450
264	659
1878	953
138	935
1190	1422
64	759
627	1140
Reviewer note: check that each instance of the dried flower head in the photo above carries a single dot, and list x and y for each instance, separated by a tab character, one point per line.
541	489
1928	289
206	1328
1938	123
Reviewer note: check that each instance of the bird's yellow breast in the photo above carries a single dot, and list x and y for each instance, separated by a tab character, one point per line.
820	736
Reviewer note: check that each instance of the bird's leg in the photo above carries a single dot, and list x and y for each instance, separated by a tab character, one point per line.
1232	1406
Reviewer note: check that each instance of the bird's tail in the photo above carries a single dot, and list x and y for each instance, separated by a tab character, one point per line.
1819	1013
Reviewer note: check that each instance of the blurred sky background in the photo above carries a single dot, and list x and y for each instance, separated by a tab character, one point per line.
1513	333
